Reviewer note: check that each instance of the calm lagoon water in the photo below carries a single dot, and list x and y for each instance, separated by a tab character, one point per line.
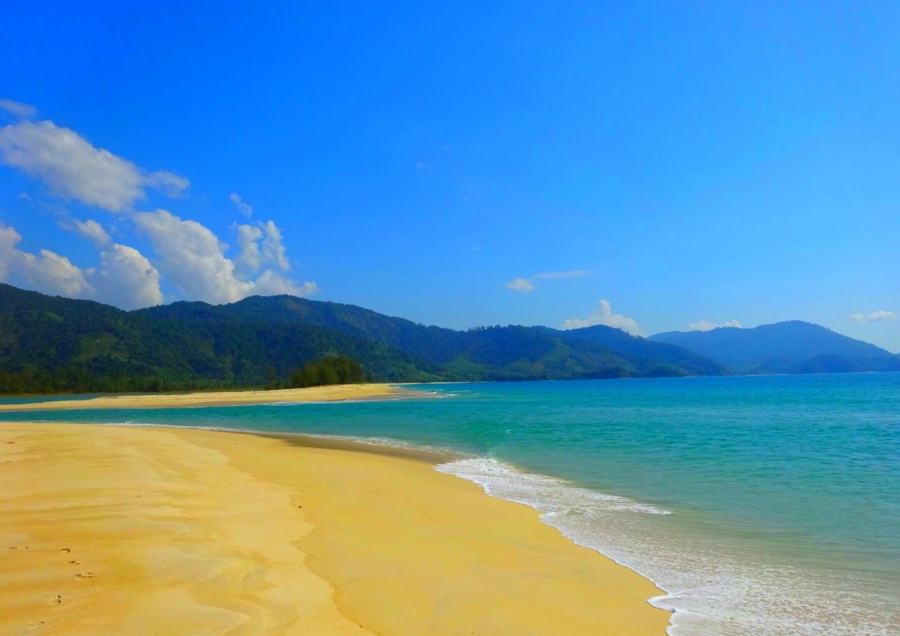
761	505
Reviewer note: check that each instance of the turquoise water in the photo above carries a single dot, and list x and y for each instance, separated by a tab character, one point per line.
761	505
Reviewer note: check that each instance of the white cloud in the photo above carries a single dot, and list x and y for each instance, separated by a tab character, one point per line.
193	258
706	325
23	111
260	245
188	254
245	208
54	274
45	272
575	273
875	316
172	185
92	231
273	250
603	315
521	285
126	279
249	260
271	284
9	255
74	169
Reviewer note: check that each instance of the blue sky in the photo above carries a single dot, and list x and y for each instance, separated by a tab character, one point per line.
643	165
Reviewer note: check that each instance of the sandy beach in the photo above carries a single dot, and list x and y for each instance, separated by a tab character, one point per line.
147	530
334	393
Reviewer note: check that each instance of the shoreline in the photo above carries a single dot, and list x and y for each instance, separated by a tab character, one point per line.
329	393
381	529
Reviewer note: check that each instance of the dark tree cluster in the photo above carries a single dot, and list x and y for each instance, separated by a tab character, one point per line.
329	370
31	380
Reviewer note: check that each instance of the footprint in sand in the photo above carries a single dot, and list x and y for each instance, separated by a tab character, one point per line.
85	575
64	550
73	563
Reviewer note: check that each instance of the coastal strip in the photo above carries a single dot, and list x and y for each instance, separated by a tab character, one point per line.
147	530
330	393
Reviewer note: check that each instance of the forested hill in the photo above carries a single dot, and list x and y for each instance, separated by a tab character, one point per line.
59	344
785	347
484	353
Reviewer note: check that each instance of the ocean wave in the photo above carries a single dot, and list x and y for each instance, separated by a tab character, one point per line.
552	496
712	588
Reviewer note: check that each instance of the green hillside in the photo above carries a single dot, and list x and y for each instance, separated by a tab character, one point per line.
53	344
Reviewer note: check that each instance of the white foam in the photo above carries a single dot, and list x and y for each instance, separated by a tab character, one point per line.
713	587
550	495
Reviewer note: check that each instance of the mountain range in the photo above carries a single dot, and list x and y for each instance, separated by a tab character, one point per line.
60	344
785	347
50	344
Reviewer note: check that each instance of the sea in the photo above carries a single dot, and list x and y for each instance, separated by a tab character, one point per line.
758	505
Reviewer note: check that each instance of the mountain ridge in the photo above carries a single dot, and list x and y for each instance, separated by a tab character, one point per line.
791	346
57	344
51	343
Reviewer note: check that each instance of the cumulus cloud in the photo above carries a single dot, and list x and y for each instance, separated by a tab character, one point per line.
526	285
187	253
521	285
249	259
9	238
74	169
271	284
245	208
45	272
875	316
706	325
54	274
193	258
260	245
20	110
126	279
272	249
603	315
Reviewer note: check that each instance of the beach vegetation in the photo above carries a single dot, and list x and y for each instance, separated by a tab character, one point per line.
328	370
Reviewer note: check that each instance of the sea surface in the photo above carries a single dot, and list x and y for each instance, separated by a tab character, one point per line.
760	505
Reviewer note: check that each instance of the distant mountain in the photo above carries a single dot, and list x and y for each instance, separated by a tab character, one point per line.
644	349
784	347
57	344
484	353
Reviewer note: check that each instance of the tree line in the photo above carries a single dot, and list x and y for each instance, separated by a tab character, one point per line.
328	370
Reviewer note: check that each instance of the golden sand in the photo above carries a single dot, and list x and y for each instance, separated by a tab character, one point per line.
115	530
333	393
